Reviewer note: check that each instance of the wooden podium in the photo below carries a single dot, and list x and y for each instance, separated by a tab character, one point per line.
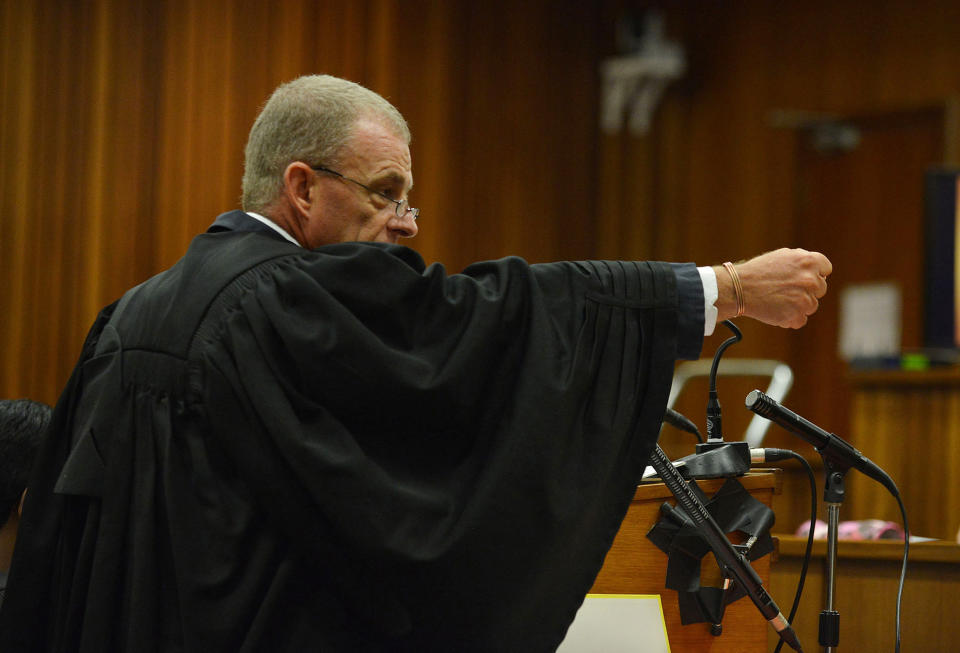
635	566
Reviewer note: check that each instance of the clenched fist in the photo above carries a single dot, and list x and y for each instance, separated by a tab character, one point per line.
782	287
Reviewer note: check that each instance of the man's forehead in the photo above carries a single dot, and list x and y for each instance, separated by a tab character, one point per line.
375	149
372	136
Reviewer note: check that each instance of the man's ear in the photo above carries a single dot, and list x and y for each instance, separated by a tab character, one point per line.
297	186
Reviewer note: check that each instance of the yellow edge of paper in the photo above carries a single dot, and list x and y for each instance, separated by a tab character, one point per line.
663	622
624	596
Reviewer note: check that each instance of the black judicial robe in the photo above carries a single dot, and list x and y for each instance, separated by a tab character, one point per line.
266	448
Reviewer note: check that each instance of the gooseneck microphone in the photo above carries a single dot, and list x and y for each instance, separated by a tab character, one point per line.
827	444
734	565
714	415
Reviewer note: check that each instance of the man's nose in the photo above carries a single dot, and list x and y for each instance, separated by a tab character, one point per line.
405	226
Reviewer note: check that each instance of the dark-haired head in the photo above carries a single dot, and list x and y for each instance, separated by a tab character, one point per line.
22	423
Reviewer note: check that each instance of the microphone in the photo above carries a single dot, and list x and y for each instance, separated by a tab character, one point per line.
678	420
733	563
714	414
827	444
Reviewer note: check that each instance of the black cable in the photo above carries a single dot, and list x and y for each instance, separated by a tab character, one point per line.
903	569
771	455
678	421
737	337
714	419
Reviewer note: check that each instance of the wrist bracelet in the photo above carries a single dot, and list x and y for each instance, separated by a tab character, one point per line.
737	288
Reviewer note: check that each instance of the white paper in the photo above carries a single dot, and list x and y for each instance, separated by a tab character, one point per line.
618	623
870	316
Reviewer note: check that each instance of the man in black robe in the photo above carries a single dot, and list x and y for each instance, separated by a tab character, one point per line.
299	438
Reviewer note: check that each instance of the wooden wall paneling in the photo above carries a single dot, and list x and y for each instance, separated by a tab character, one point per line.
508	101
481	155
510	138
672	177
627	196
200	135
220	63
61	178
523	133
916	54
843	198
99	166
383	48
562	202
84	127
866	592
610	204
728	179
497	99
49	169
525	225
723	197
177	140
431	94
69	222
18	70
948	517
907	424
127	236
224	134
341	34
571	165
153	104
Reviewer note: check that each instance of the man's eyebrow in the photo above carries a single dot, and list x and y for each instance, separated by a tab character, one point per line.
394	177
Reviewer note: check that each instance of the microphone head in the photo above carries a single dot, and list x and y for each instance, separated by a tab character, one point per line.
758	403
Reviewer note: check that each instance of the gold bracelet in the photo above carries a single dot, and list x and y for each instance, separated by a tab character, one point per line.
737	288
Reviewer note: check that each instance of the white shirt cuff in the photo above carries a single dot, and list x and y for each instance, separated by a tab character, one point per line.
710	295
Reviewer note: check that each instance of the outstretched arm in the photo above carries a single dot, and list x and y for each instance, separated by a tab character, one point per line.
782	287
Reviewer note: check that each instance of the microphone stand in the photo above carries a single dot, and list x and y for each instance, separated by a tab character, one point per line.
833	493
838	457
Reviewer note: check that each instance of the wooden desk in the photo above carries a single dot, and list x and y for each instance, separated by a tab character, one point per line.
635	566
866	594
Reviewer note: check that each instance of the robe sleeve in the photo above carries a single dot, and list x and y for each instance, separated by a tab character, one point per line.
458	449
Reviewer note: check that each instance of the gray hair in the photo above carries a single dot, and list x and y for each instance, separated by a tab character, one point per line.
308	119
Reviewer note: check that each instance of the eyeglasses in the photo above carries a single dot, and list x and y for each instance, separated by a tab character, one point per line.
402	207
